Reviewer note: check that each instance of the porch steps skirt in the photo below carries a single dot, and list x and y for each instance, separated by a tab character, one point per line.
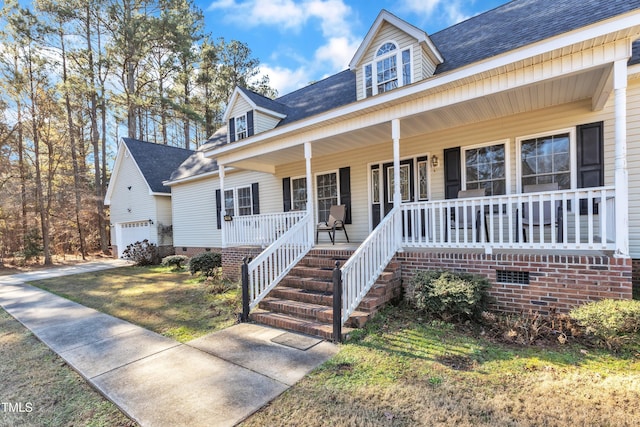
303	300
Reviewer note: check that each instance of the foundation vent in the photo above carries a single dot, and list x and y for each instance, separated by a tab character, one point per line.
512	277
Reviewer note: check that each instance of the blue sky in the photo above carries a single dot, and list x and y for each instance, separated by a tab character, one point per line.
300	41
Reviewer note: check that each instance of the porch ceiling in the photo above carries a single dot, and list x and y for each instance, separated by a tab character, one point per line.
570	88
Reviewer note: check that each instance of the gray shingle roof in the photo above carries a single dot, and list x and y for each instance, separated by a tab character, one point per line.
517	24
156	161
196	164
263	101
505	28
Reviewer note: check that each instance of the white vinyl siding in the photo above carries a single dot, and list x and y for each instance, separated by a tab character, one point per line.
194	206
240	107
134	203
633	159
263	122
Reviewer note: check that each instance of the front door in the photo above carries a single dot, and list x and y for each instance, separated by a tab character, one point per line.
382	188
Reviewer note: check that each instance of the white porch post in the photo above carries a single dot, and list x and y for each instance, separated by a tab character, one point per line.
307	157
397	197
621	175
223	210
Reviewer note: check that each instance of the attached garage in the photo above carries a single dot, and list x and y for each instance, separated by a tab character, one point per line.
128	233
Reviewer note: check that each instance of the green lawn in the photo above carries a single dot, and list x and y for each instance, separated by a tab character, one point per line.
405	372
172	303
401	370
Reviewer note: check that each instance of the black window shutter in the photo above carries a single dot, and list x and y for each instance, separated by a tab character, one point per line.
218	209
255	198
232	129
452	173
345	192
590	154
286	194
250	123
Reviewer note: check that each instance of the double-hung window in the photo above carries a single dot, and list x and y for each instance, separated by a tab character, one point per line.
546	159
390	69
298	194
245	201
327	187
241	127
229	204
485	167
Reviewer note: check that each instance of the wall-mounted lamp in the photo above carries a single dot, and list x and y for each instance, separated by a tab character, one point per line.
129	188
150	221
434	161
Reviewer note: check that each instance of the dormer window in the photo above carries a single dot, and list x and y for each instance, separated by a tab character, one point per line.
241	127
390	69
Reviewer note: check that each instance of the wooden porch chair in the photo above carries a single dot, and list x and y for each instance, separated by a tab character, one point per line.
471	217
533	218
337	215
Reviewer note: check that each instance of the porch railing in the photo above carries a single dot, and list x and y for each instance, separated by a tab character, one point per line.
273	264
261	229
580	219
366	264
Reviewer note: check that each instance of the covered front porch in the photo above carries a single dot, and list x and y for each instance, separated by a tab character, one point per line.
412	162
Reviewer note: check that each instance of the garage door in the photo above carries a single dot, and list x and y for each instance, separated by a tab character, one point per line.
128	233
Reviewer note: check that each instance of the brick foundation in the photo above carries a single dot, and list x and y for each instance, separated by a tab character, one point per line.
635	277
232	260
555	281
191	251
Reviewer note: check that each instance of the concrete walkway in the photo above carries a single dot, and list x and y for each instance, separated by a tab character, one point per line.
217	380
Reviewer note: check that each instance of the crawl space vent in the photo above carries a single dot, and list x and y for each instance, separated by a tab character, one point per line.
512	277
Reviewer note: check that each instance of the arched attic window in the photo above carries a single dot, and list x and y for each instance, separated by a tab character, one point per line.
387	62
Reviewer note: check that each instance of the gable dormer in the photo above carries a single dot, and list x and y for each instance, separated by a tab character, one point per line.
393	54
249	113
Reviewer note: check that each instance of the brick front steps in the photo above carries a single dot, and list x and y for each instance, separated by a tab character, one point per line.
303	300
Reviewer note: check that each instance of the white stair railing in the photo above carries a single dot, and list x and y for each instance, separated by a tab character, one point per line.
363	268
261	230
275	262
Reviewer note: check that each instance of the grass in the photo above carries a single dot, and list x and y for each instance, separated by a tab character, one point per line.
403	371
172	303
399	371
47	391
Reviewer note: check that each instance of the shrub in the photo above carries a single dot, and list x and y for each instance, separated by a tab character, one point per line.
206	262
142	253
176	261
449	295
613	323
531	327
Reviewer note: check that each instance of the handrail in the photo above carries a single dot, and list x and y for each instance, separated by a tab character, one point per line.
275	262
362	269
574	219
262	229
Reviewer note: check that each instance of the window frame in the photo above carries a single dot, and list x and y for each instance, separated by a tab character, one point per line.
239	207
291	189
317	199
233	201
507	161
241	134
573	160
372	65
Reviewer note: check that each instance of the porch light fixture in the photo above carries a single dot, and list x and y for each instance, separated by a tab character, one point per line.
150	221
434	161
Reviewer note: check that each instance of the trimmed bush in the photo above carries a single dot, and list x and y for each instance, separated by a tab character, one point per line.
176	261
207	263
448	295
142	253
613	323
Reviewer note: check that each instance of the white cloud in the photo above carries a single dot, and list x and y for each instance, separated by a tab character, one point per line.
338	51
333	17
421	7
286	80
